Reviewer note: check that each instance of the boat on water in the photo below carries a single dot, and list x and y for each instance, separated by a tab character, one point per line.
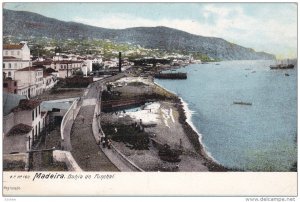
282	66
287	65
242	103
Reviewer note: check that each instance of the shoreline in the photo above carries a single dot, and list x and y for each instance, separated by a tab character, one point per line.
189	114
185	118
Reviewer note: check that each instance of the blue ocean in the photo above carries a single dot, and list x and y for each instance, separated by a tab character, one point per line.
257	137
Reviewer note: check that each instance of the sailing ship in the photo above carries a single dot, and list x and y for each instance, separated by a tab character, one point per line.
282	66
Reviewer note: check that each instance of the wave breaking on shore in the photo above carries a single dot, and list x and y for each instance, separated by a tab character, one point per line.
189	114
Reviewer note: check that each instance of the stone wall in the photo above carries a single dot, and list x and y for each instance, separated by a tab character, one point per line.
67	158
20	157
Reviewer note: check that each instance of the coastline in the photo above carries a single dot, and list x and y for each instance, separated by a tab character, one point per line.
185	118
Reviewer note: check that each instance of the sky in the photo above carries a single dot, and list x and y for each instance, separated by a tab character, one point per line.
269	27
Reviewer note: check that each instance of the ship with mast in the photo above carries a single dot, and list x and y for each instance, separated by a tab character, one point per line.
282	65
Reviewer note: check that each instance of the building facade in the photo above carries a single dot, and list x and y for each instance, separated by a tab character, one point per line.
10	86
29	81
23	126
66	68
15	56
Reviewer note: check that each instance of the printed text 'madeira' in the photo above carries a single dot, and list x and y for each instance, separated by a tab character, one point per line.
48	176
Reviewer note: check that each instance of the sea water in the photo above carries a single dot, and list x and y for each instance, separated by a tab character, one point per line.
257	137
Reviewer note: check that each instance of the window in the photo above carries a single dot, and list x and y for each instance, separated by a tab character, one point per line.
16	65
39	109
9	74
39	127
18	52
15	83
36	130
15	91
33	115
5	85
9	65
3	65
12	52
6	52
36	112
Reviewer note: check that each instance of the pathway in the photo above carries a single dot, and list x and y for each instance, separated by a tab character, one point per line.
85	151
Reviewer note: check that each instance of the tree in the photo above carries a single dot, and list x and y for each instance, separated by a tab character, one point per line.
79	73
57	49
97	66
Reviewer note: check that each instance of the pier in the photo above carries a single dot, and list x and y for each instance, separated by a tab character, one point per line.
177	75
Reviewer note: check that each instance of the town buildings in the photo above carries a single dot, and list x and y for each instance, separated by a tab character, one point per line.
23	123
15	56
29	81
89	62
66	68
20	76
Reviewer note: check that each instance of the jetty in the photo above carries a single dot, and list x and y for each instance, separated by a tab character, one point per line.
177	75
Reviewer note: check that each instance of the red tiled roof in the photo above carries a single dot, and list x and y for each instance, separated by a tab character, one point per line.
66	62
19	129
27	105
47	62
32	68
13	46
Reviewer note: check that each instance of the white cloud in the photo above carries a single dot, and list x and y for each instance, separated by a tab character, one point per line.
230	23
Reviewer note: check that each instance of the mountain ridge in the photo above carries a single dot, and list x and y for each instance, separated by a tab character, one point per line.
26	24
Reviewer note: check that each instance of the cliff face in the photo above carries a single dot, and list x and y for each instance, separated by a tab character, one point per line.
26	24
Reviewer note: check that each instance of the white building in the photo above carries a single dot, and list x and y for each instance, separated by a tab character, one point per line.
66	68
29	81
60	57
111	63
15	56
49	81
23	125
88	64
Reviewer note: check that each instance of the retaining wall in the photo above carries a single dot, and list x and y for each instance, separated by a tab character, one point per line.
67	158
24	157
70	115
98	132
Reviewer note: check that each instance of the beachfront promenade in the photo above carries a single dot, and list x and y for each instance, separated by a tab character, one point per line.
89	155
